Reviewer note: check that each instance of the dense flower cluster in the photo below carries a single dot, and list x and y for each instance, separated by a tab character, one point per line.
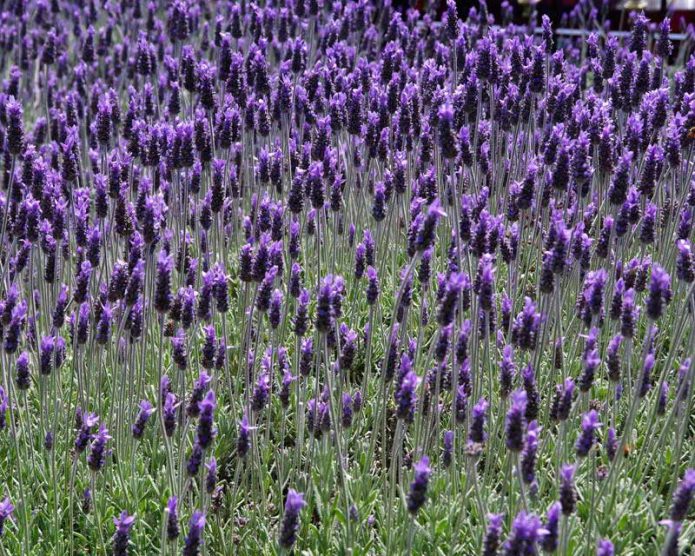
340	274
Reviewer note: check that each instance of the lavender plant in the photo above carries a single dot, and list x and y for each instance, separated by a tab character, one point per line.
342	277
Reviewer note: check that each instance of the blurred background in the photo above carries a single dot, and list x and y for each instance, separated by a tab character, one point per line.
562	12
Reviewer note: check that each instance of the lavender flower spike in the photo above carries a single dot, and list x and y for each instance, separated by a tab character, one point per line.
683	496
194	538
121	538
294	504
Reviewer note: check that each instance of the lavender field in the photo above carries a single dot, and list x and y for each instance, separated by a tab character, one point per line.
313	277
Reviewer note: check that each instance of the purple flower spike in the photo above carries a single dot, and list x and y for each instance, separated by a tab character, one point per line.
194	538
605	548
685	261
406	397
211	477
683	496
659	292
172	514
97	451
162	295
525	327
448	447
549	541
372	286
294	503
206	431
515	423
138	428
6	509
568	492
121	538
587	438
529	453
527	530
493	534
478	417
418	488
426	232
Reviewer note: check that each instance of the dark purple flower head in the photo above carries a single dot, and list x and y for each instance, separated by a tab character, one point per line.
428	225
15	127
372	285
485	283
594	288
568	492
325	304
169	411
565	399
591	363
550	538
662	400
448	447
379	202
194	539
527	530
81	289
515	423
418	487
208	349
294	503
244	438
138	428
630	314
22	373
301	319
683	496
478	417
97	450
406	396
360	256
347	410
611	444
172	514
275	310
369	247
507	371
526	325
640	30
685	261
529	453
121	538
493	534
246	263
162	295
659	292
453	288
295	285
46	348
6	509
605	548
206	430
532	394
446	132
261	392
646	378
84	434
265	290
663	43
587	437
211	476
